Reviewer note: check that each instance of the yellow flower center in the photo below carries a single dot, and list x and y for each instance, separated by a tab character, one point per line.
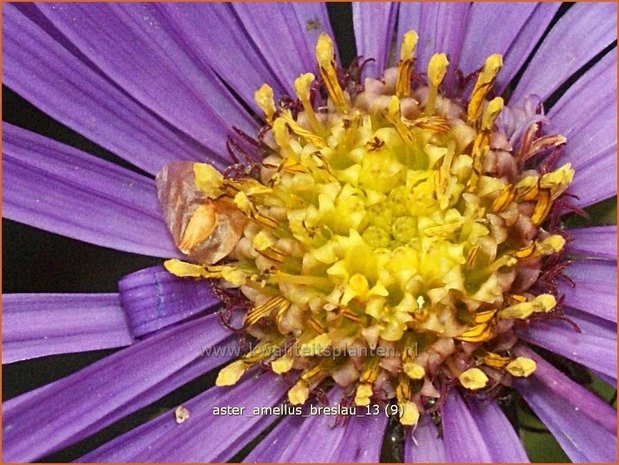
386	240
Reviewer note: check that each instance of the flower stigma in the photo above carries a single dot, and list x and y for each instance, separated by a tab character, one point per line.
388	239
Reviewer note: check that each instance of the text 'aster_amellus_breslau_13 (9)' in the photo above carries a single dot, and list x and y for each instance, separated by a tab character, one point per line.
390	238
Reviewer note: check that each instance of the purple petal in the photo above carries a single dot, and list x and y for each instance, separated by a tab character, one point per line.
502	440
205	436
54	187
66	411
525	41
583	424
596	288
580	34
279	32
440	26
594	347
427	445
315	437
589	122
373	23
36	325
139	49
481	41
464	442
154	298
51	77
216	35
596	241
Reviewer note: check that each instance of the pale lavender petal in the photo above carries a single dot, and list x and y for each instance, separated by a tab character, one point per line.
597	180
584	425
154	298
524	43
317	438
43	421
580	112
62	190
216	35
204	437
596	241
501	438
425	444
596	288
463	440
139	49
36	325
595	346
583	32
482	39
373	23
51	77
440	26
280	32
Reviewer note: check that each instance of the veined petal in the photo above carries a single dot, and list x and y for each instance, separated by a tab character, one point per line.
502	440
584	108
141	51
596	288
373	23
212	30
595	346
45	420
484	36
525	41
154	298
47	74
580	34
425	445
62	190
280	33
36	325
315	438
596	241
583	424
464	442
205	436
441	28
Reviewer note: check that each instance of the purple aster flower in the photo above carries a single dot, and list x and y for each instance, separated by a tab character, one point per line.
387	239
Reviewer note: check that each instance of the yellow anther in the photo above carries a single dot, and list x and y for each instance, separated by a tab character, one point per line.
264	98
315	346
231	374
241	200
495	360
552	244
483	85
302	87
263	240
409	413
523	310
363	394
282	365
299	393
186	270
521	367
326	63
494	107
407	56
233	275
394	116
557	181
208	179
473	379
301	131
414	370
437	67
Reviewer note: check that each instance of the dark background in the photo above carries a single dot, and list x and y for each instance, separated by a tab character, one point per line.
37	261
